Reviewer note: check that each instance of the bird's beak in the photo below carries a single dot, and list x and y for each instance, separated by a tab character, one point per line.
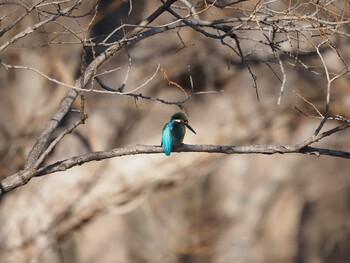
190	128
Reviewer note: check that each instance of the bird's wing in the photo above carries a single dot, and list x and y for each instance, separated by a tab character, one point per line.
167	140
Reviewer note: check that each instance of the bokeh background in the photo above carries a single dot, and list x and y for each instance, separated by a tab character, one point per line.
189	207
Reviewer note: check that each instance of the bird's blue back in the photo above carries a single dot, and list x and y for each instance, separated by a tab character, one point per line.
173	134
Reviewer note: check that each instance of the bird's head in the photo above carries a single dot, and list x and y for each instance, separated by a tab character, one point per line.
180	117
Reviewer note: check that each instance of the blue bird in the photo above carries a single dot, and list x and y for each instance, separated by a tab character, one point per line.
174	132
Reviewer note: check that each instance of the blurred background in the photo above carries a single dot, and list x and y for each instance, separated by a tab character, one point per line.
189	207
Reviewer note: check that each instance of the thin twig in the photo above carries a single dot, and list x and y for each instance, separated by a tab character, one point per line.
173	83
57	140
121	88
137	96
310	103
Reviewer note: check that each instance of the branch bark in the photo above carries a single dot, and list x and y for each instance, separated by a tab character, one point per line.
10	183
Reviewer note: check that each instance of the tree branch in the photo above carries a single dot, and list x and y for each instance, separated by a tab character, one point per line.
207	148
81	83
23	177
30	30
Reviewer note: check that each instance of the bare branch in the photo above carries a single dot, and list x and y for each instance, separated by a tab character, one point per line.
7	67
310	103
139	95
30	30
89	72
23	177
57	140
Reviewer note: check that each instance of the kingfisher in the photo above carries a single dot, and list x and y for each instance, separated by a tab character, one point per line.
174	132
